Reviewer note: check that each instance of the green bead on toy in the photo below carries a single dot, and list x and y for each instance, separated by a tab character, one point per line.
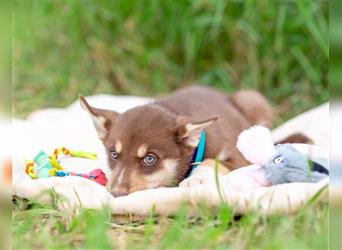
43	165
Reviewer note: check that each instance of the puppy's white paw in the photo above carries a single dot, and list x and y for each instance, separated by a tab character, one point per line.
201	175
191	181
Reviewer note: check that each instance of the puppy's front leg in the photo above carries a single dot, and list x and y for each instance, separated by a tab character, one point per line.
204	174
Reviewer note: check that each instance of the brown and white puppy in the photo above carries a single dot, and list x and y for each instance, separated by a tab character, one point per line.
152	145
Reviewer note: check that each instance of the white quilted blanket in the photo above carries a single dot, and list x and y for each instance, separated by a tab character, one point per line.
71	127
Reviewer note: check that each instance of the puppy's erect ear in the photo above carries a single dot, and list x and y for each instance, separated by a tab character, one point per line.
103	119
191	131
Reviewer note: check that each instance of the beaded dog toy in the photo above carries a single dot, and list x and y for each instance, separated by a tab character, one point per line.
44	165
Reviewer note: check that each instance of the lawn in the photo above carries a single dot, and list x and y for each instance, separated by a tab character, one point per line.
42	227
150	48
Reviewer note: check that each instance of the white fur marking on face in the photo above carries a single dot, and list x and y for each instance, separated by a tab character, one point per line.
120	177
165	176
142	150
118	146
111	183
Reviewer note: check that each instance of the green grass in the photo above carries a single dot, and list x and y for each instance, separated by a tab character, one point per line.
64	48
152	48
44	227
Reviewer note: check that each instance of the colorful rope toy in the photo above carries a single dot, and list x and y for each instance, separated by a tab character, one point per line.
44	165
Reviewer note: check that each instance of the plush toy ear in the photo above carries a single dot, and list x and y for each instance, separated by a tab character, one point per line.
191	131
256	144
103	119
319	168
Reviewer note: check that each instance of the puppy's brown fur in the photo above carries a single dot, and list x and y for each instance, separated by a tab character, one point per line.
169	130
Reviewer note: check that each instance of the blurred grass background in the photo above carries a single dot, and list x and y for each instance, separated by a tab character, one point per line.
5	58
153	47
335	86
335	39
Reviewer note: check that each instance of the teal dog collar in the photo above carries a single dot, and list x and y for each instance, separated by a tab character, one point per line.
198	155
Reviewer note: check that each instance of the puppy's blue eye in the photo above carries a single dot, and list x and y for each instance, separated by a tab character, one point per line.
113	154
278	160
149	159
